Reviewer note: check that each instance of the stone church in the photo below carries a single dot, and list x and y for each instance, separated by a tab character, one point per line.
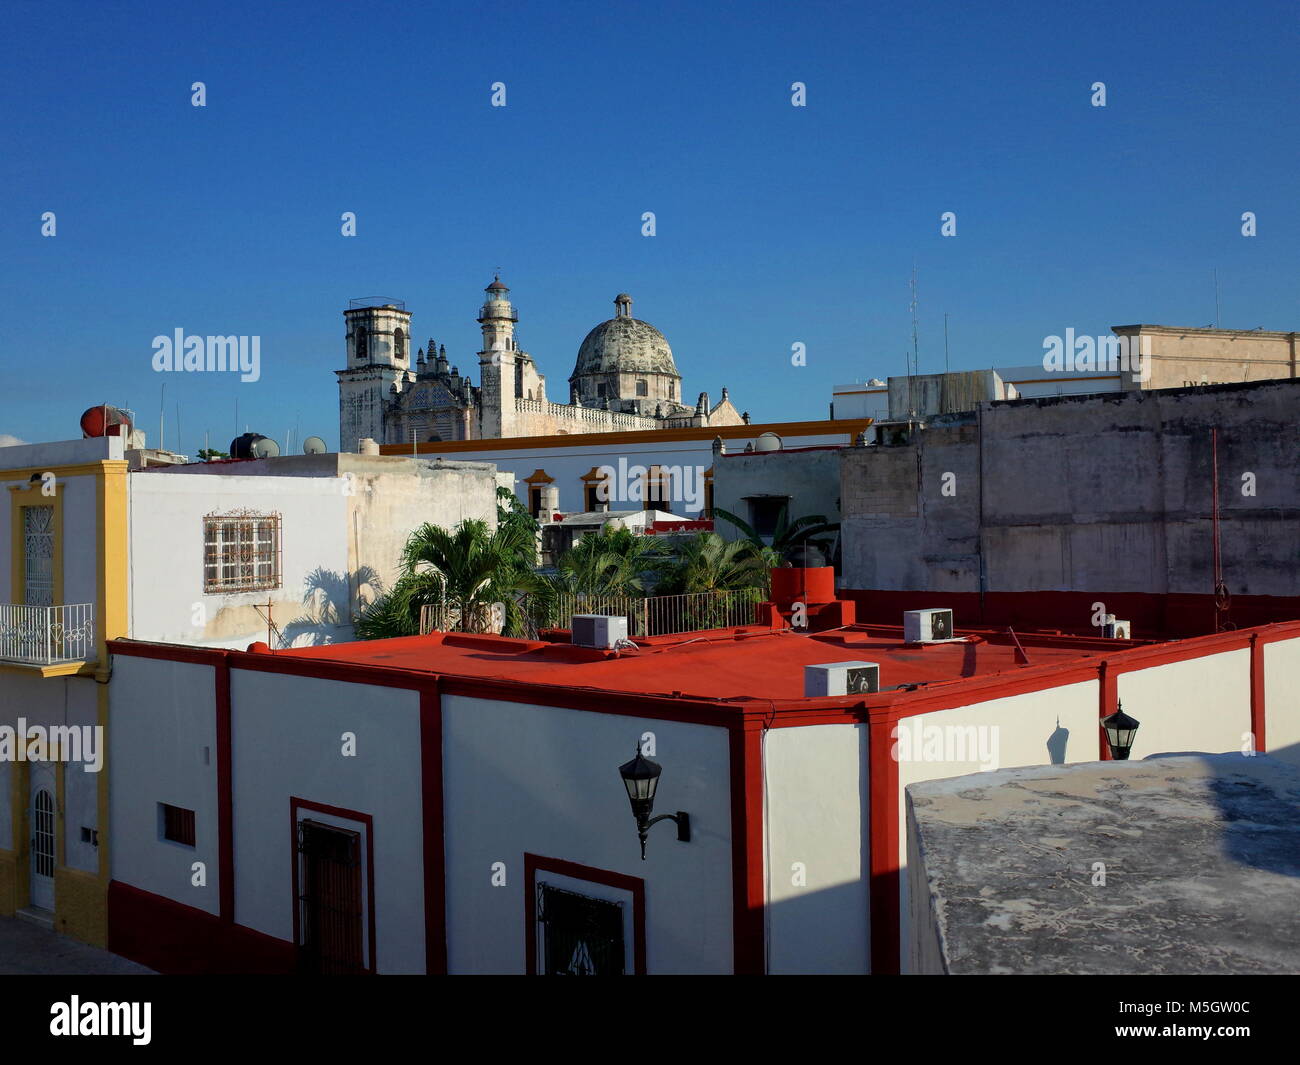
624	380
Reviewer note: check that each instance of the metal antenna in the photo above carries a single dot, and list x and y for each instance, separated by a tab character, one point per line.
945	342
1217	319
916	355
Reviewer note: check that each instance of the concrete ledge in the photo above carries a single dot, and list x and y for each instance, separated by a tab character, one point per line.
1174	864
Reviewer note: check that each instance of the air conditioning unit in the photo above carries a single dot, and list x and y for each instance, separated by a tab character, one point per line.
603	631
927	626
841	678
1117	630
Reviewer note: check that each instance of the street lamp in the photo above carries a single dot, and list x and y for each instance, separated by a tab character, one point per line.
1120	729
641	778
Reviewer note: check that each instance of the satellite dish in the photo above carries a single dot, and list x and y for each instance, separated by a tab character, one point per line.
265	448
313	445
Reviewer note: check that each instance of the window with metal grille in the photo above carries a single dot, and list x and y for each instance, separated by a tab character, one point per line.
241	552
177	824
38	555
43	833
579	935
330	899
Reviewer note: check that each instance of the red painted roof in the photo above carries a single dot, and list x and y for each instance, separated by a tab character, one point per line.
750	662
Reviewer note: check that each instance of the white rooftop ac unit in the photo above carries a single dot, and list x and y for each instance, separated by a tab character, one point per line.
597	630
841	678
1117	630
927	626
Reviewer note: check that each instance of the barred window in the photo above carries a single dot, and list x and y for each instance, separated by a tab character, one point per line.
241	552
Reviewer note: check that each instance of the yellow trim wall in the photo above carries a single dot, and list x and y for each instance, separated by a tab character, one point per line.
80	897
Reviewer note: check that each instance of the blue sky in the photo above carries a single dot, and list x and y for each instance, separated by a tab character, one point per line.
776	224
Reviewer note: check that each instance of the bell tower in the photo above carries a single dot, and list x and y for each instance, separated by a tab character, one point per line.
378	340
497	362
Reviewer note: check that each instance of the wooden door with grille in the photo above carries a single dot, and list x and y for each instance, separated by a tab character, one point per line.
330	902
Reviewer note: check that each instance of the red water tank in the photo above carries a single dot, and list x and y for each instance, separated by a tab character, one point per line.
105	421
791	584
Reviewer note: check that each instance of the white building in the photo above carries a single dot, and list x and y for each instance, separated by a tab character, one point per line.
191	554
670	468
302	541
452	803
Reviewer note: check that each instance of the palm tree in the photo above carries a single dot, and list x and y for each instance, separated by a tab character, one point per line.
479	570
708	563
398	612
787	537
614	561
601	571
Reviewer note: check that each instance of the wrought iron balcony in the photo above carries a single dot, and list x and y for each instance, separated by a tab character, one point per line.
47	635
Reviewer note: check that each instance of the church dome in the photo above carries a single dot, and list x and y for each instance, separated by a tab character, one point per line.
624	345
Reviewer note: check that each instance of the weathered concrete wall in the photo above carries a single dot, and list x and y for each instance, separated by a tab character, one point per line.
809	478
911	514
1098	494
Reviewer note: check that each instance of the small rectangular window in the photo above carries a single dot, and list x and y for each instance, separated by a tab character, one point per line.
177	824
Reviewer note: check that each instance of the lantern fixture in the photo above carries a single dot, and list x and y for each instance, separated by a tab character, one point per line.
1120	729
641	778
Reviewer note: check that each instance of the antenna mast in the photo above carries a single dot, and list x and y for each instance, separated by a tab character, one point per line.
916	356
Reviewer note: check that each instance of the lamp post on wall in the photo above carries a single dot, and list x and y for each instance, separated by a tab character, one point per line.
1120	730
641	778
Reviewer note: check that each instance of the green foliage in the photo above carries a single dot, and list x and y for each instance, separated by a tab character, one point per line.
613	561
708	563
467	570
787	535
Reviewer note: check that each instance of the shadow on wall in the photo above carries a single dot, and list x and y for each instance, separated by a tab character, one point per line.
1057	743
333	601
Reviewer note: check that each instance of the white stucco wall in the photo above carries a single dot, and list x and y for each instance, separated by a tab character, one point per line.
817	824
544	780
162	744
1202	704
80	787
167	600
287	741
568	464
1282	699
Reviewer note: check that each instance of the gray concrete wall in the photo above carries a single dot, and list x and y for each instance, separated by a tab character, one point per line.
810	478
1081	493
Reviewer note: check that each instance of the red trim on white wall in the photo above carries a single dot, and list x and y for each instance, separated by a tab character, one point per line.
884	799
1257	716
748	864
433	838
745	720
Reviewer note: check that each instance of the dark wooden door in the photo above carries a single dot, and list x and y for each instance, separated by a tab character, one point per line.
331	899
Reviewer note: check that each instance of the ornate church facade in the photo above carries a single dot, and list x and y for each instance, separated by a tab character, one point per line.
624	379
